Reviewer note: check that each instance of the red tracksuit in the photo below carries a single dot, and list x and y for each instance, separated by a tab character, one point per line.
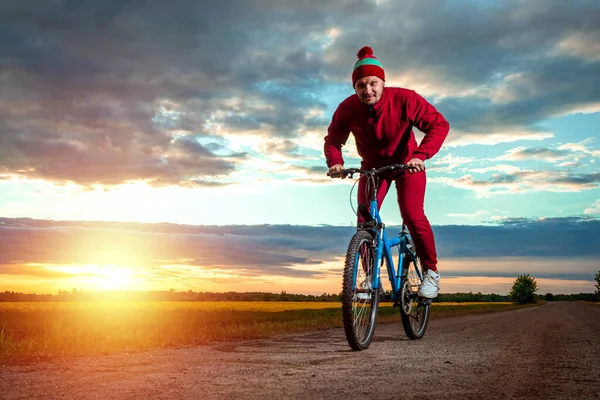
384	135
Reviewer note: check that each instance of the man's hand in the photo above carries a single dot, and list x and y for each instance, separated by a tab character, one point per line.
415	165
335	171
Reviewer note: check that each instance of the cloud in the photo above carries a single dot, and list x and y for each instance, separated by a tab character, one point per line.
249	250
283	250
492	135
524	237
519	181
44	254
584	45
570	151
108	93
31	270
511	267
493	86
582	148
112	92
594	209
204	95
450	162
315	174
569	171
532	153
285	148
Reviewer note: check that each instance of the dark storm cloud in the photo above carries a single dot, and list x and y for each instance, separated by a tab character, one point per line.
550	237
102	92
475	45
274	249
93	92
551	87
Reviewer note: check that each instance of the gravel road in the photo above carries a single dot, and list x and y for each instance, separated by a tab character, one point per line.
546	352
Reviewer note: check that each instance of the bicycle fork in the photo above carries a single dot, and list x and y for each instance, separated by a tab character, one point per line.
379	260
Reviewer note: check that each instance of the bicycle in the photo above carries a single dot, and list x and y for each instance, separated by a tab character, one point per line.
368	249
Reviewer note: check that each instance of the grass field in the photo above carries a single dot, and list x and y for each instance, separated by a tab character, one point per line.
33	331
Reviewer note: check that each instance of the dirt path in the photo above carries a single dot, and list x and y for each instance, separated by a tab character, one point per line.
547	352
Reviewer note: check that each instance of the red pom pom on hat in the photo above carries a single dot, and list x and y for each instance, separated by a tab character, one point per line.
365	51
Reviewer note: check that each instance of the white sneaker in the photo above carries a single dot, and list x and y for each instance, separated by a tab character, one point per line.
431	285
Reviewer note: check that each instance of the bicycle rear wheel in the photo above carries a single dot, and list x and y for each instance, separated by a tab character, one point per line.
359	299
414	310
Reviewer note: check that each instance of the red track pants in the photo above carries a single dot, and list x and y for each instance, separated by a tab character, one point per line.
411	198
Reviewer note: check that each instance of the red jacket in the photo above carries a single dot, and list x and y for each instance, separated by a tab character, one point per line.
383	133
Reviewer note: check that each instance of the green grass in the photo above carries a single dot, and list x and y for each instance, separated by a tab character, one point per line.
35	331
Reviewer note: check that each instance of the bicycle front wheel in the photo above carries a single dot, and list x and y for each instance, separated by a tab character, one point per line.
359	299
414	310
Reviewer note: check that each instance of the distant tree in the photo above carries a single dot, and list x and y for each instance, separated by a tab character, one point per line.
549	297
523	290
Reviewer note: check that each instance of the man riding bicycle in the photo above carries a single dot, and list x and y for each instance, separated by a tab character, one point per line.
382	119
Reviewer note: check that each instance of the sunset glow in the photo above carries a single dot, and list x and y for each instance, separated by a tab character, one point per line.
112	277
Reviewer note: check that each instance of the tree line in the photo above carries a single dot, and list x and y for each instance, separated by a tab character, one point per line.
173	295
523	291
170	295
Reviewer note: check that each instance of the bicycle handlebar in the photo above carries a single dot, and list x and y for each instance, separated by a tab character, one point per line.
351	171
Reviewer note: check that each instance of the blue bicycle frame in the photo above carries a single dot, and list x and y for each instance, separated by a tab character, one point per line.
384	246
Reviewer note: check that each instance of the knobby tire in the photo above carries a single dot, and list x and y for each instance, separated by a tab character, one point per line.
414	322
359	256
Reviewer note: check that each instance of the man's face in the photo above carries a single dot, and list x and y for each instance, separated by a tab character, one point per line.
369	89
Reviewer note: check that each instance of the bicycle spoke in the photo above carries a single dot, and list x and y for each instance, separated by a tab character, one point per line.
415	311
359	303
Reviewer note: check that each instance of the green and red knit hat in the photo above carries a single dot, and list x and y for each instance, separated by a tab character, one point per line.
367	65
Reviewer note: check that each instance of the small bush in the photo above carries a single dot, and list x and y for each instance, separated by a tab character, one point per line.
523	290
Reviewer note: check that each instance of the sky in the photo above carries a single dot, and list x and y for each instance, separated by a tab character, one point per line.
149	146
